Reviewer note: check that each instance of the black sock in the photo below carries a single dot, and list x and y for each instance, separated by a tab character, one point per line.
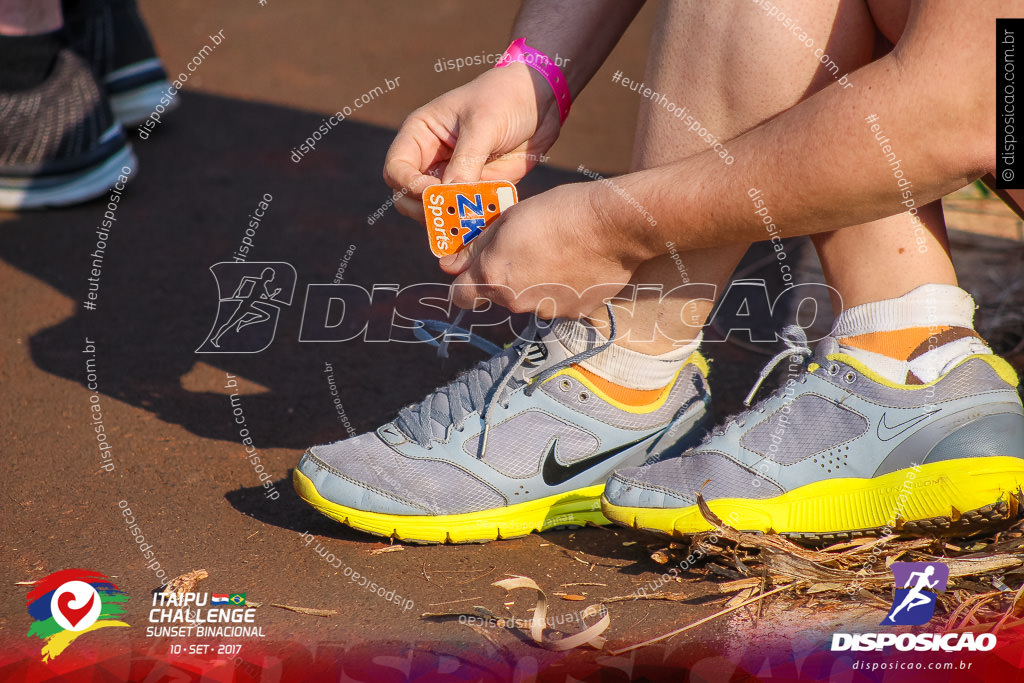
26	61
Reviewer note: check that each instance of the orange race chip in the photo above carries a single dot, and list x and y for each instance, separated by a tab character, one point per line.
459	213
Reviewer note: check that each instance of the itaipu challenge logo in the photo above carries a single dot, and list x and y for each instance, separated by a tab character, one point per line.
69	603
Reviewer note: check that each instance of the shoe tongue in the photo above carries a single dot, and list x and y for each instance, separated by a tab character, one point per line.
545	351
536	354
825	347
440	414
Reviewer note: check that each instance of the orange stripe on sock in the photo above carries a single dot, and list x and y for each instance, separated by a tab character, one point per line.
631	397
897	344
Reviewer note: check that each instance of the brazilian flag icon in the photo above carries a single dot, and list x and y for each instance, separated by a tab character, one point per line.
237	599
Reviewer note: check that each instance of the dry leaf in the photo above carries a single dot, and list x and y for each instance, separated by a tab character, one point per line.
588	636
660	556
186	583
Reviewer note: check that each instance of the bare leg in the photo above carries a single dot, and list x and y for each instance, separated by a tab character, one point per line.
732	67
853	258
910	254
29	17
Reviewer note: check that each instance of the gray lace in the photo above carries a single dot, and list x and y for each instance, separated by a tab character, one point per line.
478	389
796	345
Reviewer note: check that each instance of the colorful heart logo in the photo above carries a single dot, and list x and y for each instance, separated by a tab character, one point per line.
75	605
72	614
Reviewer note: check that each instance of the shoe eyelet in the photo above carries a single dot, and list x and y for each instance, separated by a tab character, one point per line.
850	377
833	369
584	397
565	384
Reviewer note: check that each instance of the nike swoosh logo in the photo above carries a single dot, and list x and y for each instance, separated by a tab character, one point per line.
555	473
887	432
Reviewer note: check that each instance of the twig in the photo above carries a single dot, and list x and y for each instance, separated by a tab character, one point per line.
616	653
583	583
675	597
966	605
452	602
1009	612
307	610
386	549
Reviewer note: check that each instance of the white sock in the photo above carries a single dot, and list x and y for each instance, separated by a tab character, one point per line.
625	367
928	306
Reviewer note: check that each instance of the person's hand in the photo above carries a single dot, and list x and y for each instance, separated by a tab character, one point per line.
553	254
495	127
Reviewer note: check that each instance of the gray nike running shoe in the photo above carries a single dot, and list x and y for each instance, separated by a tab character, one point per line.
838	451
59	142
523	442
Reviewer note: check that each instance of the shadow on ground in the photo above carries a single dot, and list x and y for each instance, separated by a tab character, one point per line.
199	179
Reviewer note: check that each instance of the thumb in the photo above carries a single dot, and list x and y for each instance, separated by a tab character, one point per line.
459	262
455	264
471	152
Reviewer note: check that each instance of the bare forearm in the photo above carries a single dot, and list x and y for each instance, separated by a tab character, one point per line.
580	31
824	164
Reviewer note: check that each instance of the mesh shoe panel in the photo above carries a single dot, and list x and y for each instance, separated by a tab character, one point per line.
517	446
689	384
429	484
971	377
58	126
684	476
811	424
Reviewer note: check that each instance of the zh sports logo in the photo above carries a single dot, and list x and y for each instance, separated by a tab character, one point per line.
459	213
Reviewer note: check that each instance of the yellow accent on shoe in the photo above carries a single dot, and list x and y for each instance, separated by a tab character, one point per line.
573	507
698	359
846	504
695	358
1001	366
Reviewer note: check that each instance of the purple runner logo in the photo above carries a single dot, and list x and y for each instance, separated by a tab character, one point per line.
247	318
917	583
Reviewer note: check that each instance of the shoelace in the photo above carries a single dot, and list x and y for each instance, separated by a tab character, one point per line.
796	345
483	386
426	330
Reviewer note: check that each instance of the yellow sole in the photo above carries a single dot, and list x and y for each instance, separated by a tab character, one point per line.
847	505
574	507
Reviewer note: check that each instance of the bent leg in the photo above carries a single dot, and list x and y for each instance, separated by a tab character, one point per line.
732	67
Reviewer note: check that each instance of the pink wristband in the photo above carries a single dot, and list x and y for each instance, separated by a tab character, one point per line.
519	51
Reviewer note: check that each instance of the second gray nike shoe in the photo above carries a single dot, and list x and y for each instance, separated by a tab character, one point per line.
839	451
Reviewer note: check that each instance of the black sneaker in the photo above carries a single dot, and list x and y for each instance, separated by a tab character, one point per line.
112	37
59	141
